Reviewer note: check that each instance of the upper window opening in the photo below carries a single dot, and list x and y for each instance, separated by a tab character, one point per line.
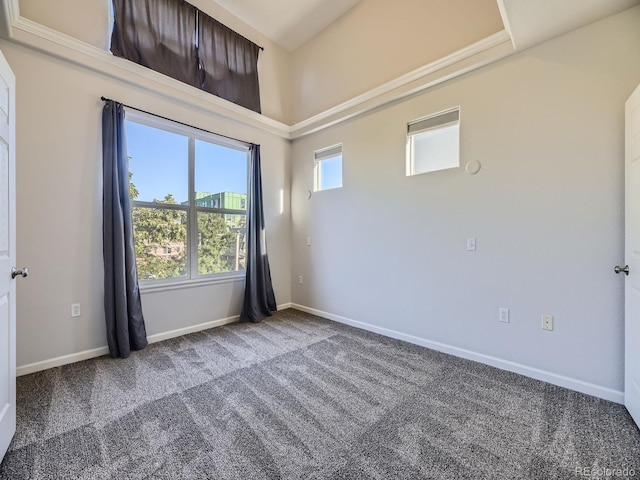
176	39
433	142
328	168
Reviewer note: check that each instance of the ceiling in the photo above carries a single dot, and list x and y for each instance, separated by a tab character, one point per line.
290	23
530	22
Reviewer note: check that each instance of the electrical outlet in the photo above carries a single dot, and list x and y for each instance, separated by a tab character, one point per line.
75	310
547	322
300	280
503	315
308	241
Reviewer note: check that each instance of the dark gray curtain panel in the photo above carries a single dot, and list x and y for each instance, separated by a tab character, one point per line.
122	307
259	299
175	38
228	63
159	34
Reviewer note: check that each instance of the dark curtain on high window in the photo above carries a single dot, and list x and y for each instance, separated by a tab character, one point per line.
229	63
122	307
259	299
175	38
158	34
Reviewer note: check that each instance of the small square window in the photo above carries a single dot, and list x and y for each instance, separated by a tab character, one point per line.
433	143
328	168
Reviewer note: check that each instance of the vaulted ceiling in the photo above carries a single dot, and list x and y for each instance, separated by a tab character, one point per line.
290	23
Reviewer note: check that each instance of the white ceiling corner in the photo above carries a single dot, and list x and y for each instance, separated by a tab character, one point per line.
532	22
289	23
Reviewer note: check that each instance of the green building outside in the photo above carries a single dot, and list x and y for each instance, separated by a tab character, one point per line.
227	201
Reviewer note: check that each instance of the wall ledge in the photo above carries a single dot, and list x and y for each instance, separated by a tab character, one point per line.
581	386
472	57
35	36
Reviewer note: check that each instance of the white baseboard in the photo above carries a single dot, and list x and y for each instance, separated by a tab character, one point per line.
159	337
98	352
549	377
63	360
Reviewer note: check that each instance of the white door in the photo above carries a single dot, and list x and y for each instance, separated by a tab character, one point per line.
7	257
632	254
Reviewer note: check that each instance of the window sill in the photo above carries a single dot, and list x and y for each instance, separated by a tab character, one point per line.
183	284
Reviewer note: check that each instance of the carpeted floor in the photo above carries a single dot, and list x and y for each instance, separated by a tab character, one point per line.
301	397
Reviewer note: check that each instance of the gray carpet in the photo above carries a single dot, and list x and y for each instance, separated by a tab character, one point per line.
301	397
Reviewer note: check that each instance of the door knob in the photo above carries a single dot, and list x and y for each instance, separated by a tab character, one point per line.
23	272
619	269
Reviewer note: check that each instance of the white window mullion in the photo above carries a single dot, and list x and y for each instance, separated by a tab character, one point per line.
192	235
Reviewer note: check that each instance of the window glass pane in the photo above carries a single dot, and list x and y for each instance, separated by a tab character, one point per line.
161	242
221	242
158	164
330	173
436	149
220	176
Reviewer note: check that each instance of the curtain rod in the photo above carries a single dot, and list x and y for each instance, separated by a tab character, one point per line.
105	99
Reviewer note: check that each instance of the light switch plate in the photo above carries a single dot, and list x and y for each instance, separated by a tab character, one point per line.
471	244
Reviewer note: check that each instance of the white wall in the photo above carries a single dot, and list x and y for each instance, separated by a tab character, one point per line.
88	21
59	198
377	41
547	211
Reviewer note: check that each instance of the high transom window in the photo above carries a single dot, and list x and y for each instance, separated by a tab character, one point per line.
433	142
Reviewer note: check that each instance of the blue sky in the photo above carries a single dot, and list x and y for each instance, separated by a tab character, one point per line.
159	163
331	176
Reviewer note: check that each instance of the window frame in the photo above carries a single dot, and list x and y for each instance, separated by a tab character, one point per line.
317	178
410	148
192	278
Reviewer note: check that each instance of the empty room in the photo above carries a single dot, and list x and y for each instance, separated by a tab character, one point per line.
319	239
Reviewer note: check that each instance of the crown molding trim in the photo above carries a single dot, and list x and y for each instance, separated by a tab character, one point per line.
33	35
472	57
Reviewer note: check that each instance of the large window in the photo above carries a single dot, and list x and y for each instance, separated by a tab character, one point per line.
189	199
433	142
